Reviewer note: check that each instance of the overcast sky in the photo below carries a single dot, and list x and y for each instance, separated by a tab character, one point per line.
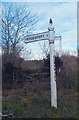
64	16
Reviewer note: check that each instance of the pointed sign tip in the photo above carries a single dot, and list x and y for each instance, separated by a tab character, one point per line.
50	21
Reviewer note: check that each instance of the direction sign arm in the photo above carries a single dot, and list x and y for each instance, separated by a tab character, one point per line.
37	37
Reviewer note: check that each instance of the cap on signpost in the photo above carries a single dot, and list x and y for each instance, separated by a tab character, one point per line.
50	21
51	27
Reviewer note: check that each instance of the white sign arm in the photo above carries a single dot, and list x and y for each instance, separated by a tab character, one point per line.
37	37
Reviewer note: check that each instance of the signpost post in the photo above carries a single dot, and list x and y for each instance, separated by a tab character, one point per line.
49	35
52	66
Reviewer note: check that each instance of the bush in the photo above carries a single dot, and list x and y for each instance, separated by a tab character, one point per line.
58	64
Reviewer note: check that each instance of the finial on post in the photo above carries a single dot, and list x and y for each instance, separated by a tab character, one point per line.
51	27
50	21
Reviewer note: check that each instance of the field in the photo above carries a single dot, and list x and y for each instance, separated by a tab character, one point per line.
33	100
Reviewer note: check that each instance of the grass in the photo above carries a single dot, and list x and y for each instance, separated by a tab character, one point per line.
34	64
37	105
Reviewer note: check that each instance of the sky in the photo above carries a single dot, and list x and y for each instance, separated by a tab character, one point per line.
64	16
39	0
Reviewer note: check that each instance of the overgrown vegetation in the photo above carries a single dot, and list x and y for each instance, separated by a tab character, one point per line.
30	98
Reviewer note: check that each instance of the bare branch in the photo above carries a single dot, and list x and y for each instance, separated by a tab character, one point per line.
15	25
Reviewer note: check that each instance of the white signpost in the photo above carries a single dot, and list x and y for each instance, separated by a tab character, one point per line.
49	35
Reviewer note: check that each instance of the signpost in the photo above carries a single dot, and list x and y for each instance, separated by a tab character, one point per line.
49	35
52	66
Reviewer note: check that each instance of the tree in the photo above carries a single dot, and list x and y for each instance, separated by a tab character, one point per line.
17	21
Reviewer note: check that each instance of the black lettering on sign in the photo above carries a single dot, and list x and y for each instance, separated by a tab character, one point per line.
43	35
36	37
